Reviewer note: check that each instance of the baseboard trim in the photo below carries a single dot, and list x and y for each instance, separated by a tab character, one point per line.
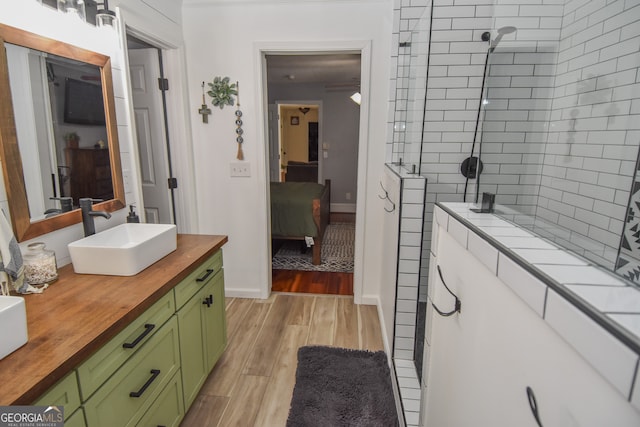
243	293
343	207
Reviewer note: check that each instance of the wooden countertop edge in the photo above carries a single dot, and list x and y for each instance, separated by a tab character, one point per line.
50	378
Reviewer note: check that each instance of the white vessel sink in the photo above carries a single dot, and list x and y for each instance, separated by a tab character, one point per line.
13	318
124	250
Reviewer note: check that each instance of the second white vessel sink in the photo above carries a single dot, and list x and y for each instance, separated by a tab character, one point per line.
13	318
124	250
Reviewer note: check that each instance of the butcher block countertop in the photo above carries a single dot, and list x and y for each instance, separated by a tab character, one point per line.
79	313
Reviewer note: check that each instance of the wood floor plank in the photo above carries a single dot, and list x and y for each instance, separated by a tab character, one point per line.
274	408
346	333
225	374
263	354
300	310
370	335
323	321
235	313
243	408
206	411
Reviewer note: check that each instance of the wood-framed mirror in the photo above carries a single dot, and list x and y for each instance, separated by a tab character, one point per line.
28	224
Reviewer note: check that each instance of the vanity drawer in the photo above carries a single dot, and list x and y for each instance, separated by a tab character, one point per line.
129	393
64	393
198	278
168	408
102	364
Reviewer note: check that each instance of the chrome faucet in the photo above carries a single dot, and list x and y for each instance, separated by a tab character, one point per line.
86	206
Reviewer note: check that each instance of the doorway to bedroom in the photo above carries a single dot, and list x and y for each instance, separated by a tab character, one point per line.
313	147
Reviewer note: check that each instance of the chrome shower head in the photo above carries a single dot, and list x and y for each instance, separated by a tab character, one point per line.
501	32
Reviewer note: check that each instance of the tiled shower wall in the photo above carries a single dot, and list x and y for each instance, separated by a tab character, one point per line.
595	127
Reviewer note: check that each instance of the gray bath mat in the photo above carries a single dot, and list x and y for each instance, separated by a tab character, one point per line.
340	387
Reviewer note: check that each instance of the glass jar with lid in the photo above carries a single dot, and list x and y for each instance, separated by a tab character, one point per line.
39	264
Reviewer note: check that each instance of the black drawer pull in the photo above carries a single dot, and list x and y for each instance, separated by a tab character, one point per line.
154	375
207	274
148	327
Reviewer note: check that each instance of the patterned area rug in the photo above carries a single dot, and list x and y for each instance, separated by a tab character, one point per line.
337	252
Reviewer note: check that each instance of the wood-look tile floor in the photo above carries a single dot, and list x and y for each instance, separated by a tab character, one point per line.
252	383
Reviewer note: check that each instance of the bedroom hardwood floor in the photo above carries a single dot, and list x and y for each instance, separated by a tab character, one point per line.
312	282
315	282
253	381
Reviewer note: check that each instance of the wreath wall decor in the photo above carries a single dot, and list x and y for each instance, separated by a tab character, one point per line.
221	92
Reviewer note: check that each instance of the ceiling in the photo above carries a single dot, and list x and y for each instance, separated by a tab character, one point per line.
332	70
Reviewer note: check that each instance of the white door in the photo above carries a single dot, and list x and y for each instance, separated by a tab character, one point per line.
144	68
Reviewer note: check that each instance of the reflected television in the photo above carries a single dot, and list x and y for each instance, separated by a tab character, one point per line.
83	103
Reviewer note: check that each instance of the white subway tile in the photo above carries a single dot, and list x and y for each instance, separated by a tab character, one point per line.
621	19
526	286
580	275
483	251
609	299
615	361
458	231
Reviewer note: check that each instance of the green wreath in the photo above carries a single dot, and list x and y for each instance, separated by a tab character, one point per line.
221	92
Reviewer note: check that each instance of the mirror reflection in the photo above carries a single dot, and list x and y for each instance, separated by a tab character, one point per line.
55	144
61	130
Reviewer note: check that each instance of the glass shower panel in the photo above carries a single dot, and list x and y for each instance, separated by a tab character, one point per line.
560	139
410	96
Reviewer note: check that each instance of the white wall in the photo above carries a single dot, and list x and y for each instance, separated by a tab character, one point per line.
224	39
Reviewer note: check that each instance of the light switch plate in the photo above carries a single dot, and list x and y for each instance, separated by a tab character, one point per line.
240	169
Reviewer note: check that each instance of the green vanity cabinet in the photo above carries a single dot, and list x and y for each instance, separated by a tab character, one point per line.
150	373
202	324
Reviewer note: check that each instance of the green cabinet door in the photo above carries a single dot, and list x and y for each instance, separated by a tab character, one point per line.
192	351
167	410
214	321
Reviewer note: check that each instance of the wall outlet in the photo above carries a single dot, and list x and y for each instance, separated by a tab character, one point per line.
347	196
240	169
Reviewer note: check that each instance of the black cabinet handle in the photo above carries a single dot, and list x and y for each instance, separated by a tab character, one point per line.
207	274
148	327
154	375
208	301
